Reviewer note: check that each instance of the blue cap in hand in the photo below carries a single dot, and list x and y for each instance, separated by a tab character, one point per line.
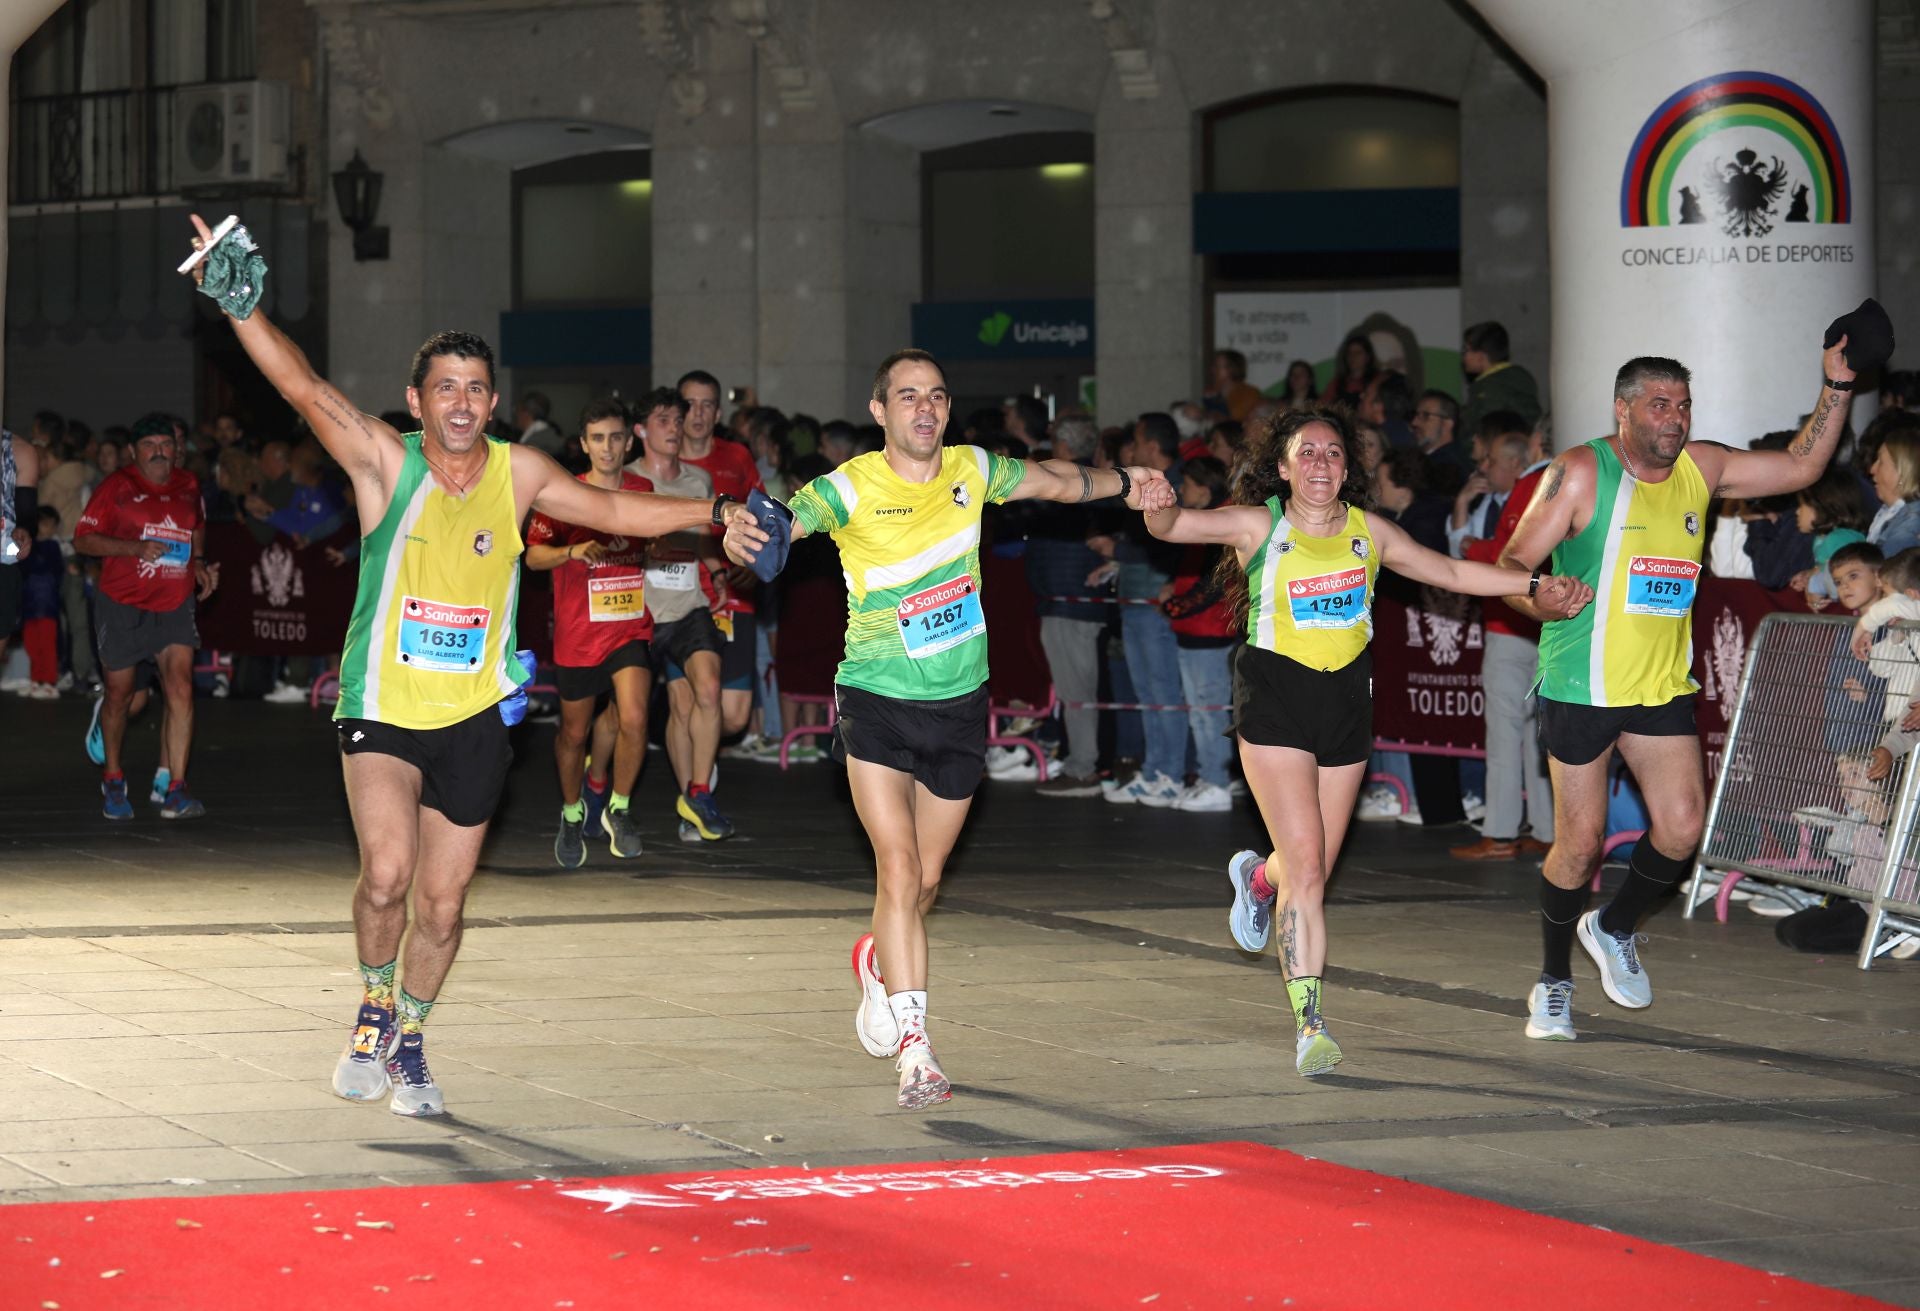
776	521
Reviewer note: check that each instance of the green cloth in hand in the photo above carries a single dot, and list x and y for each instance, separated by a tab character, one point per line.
236	274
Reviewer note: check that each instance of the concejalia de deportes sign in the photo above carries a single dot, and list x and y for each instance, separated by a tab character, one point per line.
1004	329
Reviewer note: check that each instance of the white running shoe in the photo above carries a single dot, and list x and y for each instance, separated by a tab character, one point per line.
361	1075
1409	817
1618	960
873	1021
1550	1011
1378	803
414	1091
922	1082
1205	798
1315	1052
1475	807
1155	790
287	694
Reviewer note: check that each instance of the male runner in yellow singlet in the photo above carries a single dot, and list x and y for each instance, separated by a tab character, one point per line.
429	657
1627	515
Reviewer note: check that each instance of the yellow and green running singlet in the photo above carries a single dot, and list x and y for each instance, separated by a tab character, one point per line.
911	554
431	639
1633	646
1311	598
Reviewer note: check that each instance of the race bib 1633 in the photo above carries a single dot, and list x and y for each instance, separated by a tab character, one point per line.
449	638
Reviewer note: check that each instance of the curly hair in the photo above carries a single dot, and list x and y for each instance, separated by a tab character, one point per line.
1259	479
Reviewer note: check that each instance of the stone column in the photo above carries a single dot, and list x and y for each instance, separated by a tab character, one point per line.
883	261
18	21
1710	196
1146	276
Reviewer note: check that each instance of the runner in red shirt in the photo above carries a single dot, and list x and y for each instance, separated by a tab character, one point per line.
601	631
145	521
734	473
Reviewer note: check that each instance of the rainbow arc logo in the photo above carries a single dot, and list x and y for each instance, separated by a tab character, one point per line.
1653	187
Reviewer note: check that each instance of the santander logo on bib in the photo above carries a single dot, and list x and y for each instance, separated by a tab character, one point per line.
1344	581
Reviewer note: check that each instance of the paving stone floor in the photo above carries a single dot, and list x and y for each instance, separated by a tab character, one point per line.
173	996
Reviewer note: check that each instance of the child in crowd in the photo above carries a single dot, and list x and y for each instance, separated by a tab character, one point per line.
1832	512
1893	655
40	606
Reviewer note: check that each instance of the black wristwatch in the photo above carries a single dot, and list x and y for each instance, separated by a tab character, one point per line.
720	504
1126	482
1838	386
1533	584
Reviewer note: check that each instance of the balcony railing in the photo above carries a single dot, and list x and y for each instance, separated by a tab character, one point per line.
97	145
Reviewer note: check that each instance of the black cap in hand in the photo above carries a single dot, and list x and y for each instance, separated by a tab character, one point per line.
1869	334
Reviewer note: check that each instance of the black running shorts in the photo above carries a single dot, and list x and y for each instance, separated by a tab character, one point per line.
126	634
677	642
943	744
463	767
1279	702
585	682
1577	735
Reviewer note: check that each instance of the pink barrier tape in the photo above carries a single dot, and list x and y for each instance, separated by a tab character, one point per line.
1131	705
1423	749
1100	600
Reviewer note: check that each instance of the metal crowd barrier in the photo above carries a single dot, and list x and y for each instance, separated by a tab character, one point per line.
1792	804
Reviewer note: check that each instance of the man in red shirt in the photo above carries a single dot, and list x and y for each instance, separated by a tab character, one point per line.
601	631
145	523
734	474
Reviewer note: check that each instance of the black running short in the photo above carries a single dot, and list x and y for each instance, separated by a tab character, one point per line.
943	744
585	682
737	654
677	642
1278	702
126	634
462	767
1577	735
12	588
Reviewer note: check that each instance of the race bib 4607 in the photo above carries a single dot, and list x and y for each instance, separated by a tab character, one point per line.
1662	586
434	635
1335	600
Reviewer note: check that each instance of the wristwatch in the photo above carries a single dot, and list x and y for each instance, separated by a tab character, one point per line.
1838	386
1533	584
720	504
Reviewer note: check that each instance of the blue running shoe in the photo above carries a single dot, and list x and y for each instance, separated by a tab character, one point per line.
96	741
361	1074
704	815
180	805
414	1091
116	805
1251	919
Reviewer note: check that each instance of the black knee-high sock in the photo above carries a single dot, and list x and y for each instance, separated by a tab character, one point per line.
1650	875
1560	910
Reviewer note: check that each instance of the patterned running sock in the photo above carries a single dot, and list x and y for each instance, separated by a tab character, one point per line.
1259	885
697	789
574	812
164	781
1560	911
909	1011
174	785
1651	874
378	981
1304	993
596	786
413	1012
618	801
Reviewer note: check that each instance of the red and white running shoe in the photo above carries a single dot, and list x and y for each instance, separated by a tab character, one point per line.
873	1021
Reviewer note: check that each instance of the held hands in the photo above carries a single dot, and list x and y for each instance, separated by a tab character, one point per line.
1560	597
1151	490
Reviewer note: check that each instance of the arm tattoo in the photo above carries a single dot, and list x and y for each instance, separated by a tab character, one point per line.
348	415
1289	939
1816	426
1555	476
1086	484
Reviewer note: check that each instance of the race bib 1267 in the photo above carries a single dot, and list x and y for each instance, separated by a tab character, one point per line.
941	617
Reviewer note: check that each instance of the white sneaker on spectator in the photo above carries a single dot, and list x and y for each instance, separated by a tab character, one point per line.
1776	901
43	692
747	748
803	752
19	685
1410	816
1011	765
286	694
1237	788
1474	805
1123	772
1905	947
1155	790
1206	798
65	684
1378	803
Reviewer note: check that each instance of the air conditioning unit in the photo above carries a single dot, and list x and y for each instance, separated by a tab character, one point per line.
229	132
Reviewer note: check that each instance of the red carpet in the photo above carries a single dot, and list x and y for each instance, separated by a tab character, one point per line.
1225	1224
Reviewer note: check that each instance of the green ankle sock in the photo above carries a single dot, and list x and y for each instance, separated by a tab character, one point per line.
378	981
618	801
1304	993
574	812
413	1012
